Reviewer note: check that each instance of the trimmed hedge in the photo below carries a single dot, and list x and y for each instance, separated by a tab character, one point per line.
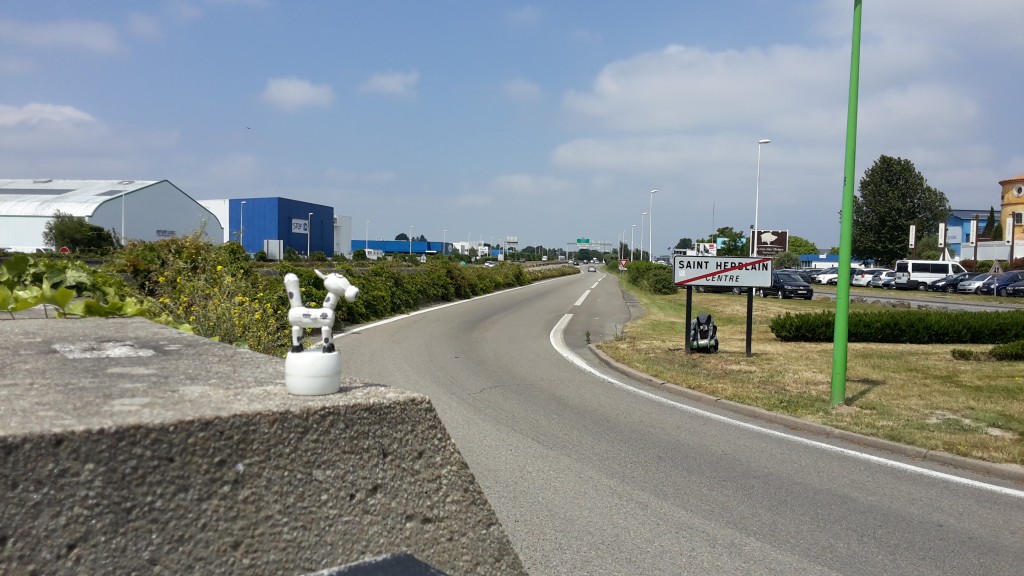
905	327
654	278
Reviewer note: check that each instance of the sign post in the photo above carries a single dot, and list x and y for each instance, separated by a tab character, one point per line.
749	273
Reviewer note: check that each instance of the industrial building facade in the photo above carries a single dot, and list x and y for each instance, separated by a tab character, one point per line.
277	224
131	209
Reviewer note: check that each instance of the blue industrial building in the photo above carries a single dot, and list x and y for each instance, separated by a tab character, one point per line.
403	246
302	226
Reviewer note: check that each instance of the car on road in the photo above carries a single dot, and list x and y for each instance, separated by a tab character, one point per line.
885	279
997	285
862	277
971	285
490	264
591	269
949	283
787	285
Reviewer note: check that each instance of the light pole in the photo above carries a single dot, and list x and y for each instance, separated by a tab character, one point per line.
366	248
643	218
309	233
650	226
123	237
410	240
444	243
241	224
757	196
632	243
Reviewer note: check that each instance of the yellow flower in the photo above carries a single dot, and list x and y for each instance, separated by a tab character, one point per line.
219	267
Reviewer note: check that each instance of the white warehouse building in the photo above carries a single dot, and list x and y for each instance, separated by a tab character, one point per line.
132	209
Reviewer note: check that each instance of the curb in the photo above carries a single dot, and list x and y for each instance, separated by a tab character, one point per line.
1009	472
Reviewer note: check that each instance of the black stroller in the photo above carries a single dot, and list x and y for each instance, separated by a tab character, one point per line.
703	334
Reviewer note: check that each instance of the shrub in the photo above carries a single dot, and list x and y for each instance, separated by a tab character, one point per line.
905	327
654	278
1011	351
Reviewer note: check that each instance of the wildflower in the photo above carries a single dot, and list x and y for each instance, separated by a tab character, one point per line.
219	267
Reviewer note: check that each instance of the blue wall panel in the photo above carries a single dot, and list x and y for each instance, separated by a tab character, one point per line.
282	219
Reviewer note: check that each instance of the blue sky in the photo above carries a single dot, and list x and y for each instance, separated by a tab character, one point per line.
546	121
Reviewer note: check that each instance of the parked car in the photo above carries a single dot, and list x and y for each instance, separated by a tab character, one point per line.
971	285
723	289
832	277
996	286
1015	289
884	279
803	273
949	283
787	285
918	274
862	277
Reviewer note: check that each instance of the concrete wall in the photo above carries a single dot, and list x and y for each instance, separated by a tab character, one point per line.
129	447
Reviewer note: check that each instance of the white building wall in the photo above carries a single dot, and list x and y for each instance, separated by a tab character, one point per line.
343	235
22	233
220	209
157	212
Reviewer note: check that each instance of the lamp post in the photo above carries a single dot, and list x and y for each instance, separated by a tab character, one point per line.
632	243
410	240
650	226
643	218
757	196
123	237
444	243
366	248
309	233
241	224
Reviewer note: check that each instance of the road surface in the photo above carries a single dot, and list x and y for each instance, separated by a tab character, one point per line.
600	475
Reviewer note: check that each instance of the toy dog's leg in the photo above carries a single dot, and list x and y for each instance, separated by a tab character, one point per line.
296	339
328	337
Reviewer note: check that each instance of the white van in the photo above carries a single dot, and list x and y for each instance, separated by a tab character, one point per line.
917	274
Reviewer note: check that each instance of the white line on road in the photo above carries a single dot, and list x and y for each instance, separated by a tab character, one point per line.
558	342
582	298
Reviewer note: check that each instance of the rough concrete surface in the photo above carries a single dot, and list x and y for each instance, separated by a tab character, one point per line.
129	447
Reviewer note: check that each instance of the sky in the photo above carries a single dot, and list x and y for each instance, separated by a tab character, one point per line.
472	120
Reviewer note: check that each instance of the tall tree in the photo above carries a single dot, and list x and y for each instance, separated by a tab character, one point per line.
798	245
77	234
735	243
986	232
684	244
892	196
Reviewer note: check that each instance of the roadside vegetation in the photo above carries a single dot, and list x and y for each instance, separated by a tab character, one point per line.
916	394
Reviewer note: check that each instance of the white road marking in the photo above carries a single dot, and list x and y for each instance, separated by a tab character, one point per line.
558	342
582	298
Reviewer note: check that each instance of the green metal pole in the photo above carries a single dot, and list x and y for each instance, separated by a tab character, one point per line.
842	328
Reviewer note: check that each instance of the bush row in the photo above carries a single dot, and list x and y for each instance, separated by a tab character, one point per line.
905	327
654	278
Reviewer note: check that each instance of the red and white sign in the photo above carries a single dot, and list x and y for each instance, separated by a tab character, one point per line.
64	250
721	271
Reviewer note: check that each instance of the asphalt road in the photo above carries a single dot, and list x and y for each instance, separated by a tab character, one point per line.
594	477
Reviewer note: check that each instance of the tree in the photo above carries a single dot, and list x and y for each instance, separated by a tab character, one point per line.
893	195
402	236
986	232
997	232
785	260
735	242
798	245
77	234
684	244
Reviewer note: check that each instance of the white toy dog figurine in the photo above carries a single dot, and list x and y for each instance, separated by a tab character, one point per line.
300	316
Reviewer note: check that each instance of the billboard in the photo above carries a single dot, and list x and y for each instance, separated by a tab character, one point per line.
770	242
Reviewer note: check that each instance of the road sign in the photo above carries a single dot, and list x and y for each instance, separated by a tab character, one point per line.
64	250
771	242
722	271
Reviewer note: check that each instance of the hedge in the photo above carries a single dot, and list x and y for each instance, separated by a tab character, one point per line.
905	327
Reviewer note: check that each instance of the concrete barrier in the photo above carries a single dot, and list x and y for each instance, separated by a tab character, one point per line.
129	447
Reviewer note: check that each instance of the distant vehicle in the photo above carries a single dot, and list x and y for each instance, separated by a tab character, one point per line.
490	264
885	279
949	283
997	285
787	285
971	285
918	274
803	273
722	289
863	276
591	269
833	277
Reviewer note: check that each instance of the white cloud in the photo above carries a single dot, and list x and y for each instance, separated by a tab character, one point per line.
393	83
36	113
293	93
144	26
92	36
507	185
360	178
522	90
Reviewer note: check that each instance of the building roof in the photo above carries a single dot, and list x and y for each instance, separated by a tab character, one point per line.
970	214
1014	179
75	197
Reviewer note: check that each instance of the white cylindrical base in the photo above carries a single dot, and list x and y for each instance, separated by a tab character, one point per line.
312	373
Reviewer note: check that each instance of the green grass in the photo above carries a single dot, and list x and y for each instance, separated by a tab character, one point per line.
913	394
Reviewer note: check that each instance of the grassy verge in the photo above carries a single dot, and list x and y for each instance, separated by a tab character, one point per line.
913	394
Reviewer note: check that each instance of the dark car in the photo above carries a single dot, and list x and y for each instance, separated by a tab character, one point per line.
1015	289
722	289
803	273
787	285
997	286
949	283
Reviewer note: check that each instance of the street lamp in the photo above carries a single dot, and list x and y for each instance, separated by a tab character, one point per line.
309	232
643	218
241	224
632	243
650	226
444	243
410	240
123	237
366	248
757	196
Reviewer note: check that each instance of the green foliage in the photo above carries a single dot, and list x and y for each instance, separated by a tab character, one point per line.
892	196
997	231
654	278
359	255
908	326
986	231
800	246
684	244
318	256
967	355
77	234
735	242
1010	351
785	260
291	255
261	256
70	286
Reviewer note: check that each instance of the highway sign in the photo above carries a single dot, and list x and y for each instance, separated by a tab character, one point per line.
721	271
